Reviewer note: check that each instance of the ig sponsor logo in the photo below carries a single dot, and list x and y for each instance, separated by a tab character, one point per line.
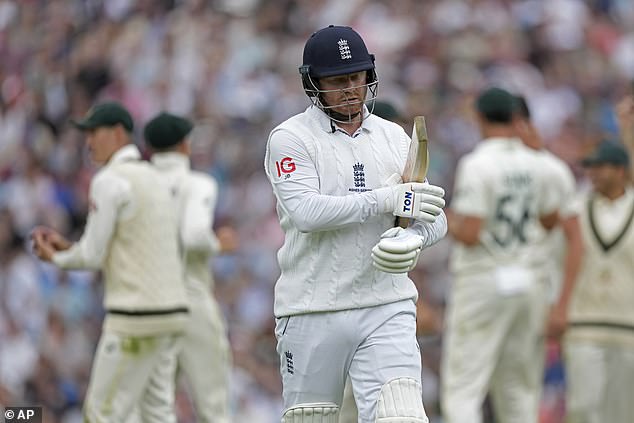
285	166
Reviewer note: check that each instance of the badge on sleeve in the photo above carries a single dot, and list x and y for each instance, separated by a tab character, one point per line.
285	167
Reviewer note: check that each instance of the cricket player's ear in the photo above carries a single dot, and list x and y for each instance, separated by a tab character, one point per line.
122	136
185	147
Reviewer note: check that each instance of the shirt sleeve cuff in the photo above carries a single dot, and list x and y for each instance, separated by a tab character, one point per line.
63	259
384	199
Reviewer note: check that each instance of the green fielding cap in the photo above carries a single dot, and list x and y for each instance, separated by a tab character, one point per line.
496	105
607	152
166	130
106	114
385	110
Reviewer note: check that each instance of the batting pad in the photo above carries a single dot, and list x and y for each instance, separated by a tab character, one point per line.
318	412
401	401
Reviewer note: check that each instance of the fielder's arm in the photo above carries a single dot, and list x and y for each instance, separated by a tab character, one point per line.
558	318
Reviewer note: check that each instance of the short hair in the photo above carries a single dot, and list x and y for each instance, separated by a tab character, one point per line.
521	107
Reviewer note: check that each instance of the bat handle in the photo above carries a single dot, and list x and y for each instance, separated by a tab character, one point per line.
403	222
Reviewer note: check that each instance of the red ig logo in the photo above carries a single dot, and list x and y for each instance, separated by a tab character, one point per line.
286	165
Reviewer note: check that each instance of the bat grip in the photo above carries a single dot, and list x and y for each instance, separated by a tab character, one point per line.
403	222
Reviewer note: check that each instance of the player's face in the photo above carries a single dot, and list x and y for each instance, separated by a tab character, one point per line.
100	142
345	93
605	177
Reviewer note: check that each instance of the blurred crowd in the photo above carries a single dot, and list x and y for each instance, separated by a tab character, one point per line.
231	65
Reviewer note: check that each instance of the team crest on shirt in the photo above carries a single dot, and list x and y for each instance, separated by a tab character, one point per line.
358	174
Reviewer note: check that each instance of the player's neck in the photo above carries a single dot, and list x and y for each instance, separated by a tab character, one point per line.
614	192
350	128
495	131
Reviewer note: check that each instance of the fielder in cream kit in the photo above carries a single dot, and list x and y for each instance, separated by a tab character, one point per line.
132	235
497	302
204	357
344	304
599	342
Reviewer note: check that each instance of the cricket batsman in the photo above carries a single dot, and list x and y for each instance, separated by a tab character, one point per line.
344	305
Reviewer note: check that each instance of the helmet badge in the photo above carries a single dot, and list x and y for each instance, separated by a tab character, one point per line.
344	49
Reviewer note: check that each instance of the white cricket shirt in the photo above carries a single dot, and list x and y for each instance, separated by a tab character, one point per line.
601	307
551	247
110	199
501	182
132	235
325	182
196	193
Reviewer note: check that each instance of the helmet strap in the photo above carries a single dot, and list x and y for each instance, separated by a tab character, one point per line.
340	117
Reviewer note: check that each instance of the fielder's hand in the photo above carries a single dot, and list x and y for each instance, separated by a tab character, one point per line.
46	242
420	201
397	251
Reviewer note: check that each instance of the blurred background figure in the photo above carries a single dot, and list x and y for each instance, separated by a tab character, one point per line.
495	316
231	67
599	345
204	356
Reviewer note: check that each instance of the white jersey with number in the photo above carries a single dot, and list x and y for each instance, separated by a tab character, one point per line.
500	181
324	181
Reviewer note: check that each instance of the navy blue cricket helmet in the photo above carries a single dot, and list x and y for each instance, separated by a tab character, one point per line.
331	51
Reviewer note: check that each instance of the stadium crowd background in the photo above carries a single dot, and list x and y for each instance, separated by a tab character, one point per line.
232	66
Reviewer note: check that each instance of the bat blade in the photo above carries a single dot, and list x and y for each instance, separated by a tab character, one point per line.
417	160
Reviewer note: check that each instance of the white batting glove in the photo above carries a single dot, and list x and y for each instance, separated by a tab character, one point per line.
420	201
397	251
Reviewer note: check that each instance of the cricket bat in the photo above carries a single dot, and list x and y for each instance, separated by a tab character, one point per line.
417	160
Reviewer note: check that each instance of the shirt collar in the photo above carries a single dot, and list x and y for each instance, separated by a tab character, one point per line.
125	153
327	125
170	160
498	143
625	198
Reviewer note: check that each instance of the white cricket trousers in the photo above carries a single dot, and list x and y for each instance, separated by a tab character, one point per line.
131	373
599	382
372	345
493	343
205	360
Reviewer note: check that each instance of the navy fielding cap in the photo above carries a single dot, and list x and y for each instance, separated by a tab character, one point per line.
607	152
106	114
166	130
496	105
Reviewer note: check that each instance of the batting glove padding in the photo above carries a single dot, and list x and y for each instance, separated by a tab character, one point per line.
397	251
420	201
